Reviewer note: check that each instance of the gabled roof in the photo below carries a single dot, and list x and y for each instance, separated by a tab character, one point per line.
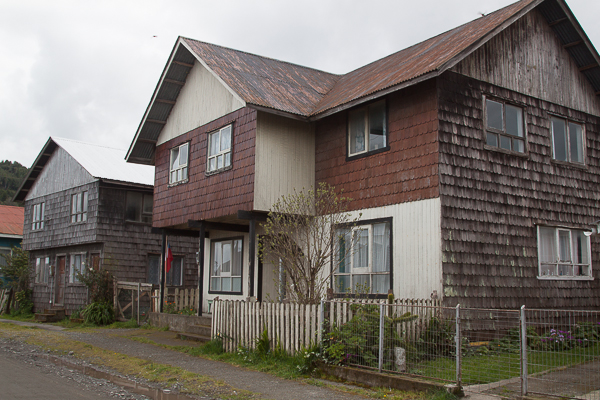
101	162
304	93
11	221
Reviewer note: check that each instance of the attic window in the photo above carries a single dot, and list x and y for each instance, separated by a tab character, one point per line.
79	207
178	171
219	150
567	141
504	126
37	220
367	129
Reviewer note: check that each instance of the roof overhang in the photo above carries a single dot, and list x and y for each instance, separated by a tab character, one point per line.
35	170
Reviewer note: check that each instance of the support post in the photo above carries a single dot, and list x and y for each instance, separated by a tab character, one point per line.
161	290
252	256
321	323
458	340
138	303
381	334
524	388
201	240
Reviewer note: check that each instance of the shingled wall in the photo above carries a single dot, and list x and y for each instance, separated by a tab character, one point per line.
492	202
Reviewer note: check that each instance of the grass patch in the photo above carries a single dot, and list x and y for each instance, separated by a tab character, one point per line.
19	317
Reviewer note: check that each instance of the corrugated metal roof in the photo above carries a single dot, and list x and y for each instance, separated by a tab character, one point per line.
11	220
106	162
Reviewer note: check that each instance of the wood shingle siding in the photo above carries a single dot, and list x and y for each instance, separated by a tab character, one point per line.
408	171
204	197
492	202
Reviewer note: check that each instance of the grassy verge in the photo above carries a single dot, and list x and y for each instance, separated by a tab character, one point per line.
162	374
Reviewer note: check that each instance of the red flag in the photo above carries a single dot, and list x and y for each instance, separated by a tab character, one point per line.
169	258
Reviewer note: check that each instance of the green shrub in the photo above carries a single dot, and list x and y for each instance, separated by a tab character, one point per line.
98	313
24	303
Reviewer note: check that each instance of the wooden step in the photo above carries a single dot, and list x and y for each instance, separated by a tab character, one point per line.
203	330
192	336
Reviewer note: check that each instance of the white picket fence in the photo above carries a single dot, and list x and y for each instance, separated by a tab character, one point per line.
295	326
290	326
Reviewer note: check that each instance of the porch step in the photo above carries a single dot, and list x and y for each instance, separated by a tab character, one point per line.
51	315
202	330
193	336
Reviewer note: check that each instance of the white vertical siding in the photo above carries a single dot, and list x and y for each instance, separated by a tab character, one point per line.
201	100
60	173
284	160
416	247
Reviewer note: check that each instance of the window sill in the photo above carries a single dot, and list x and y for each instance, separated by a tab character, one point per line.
359	296
229	293
569	164
504	151
366	154
565	278
218	171
178	183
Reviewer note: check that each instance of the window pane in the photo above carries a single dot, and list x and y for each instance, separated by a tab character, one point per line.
219	162
148	199
381	283
564	246
580	247
505	142
133	210
492	139
381	248
215	284
216	270
74	204
547	244
212	164
361	249
519	145
565	270
175	158
377	133
226	284
514	121
361	284
343	238
559	137
153	269
226	257
236	284
85	202
226	138
227	159
576	142
357	131
213	148
494	114
342	283
183	154
236	269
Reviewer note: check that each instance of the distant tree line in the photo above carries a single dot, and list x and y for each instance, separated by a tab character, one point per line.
11	176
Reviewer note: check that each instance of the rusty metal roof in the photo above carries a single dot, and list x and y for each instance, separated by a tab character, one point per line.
11	221
306	93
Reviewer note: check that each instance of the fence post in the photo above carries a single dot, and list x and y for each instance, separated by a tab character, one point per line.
458	349
381	335
523	353
321	323
138	303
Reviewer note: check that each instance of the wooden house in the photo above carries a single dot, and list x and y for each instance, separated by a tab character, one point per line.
473	158
85	207
11	232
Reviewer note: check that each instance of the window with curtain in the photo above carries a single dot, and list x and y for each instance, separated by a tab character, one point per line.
563	253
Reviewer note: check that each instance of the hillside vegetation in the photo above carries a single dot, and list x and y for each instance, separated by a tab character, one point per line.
11	175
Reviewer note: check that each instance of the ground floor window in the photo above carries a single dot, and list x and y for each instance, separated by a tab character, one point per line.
76	267
226	266
42	266
563	253
363	259
4	251
172	278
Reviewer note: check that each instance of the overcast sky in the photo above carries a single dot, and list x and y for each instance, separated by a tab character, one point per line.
85	70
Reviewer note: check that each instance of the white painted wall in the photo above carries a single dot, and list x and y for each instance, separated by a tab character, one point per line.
201	100
284	160
52	178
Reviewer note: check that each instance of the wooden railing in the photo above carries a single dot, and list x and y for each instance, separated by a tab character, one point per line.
177	299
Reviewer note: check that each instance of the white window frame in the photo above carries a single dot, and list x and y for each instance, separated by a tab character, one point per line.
79	207
501	133
350	258
218	276
42	267
365	119
178	166
219	156
563	269
141	200
568	126
37	216
72	267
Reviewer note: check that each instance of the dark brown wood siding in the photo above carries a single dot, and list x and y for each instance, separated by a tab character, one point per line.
492	203
408	171
205	197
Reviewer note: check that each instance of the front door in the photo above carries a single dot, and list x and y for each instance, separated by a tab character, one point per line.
59	281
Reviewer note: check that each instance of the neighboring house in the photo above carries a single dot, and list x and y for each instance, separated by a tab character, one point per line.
472	156
11	232
85	207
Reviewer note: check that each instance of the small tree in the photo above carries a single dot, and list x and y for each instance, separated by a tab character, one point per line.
18	272
301	234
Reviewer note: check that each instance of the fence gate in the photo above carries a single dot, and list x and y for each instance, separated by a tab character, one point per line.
133	300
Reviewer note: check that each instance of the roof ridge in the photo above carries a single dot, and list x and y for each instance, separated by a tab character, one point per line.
85	143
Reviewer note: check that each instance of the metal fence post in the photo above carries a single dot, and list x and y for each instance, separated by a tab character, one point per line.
458	348
523	353
381	334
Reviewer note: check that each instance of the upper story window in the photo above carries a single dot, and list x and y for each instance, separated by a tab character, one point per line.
563	253
567	141
504	126
364	267
37	217
139	207
226	266
367	129
42	267
219	149
79	207
178	171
